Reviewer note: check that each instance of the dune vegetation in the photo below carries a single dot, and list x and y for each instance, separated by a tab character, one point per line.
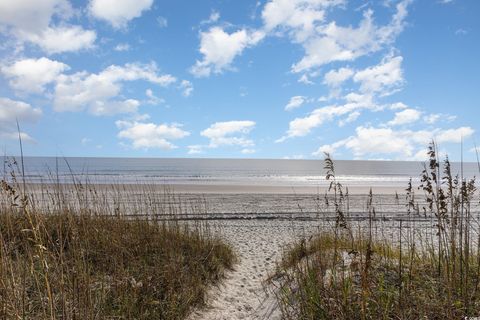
430	270
80	252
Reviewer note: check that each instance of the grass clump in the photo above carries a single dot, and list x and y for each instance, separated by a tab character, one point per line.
427	272
332	277
69	264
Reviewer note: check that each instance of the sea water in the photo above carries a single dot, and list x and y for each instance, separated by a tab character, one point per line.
267	172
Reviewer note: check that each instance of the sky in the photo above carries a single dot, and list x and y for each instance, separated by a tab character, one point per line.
240	79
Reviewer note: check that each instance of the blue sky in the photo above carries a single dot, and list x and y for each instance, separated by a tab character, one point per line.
256	79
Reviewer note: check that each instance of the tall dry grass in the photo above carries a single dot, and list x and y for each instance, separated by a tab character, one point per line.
80	251
428	267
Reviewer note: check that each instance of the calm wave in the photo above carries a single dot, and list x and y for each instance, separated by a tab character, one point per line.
223	171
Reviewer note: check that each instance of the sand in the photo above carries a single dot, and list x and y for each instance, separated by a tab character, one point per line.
226	188
258	244
259	226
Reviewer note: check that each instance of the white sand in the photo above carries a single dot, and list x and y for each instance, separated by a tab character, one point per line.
258	244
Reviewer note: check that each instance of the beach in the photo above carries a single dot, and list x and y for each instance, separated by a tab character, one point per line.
259	218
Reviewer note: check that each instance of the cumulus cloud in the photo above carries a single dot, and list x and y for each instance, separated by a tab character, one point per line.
331	42
63	39
297	17
302	126
150	135
334	78
454	135
118	12
31	75
402	144
406	116
229	133
12	111
220	48
30	16
305	23
382	78
31	21
98	93
295	102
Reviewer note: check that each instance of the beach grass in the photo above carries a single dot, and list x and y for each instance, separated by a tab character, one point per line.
427	270
79	254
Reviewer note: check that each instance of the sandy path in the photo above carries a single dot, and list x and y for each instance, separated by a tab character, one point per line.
258	244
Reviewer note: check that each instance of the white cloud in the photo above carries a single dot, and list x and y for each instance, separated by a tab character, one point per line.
187	88
382	78
248	151
118	12
152	98
151	135
336	43
12	111
298	17
305	79
300	127
304	21
398	106
371	142
328	148
435	117
31	75
98	93
30	21
406	116
229	133
31	16
295	102
334	78
454	135
214	17
352	117
378	140
62	39
220	48
122	47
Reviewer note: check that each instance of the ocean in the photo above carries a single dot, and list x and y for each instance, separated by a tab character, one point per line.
242	172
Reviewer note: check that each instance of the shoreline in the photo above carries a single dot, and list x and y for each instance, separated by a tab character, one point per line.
184	188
